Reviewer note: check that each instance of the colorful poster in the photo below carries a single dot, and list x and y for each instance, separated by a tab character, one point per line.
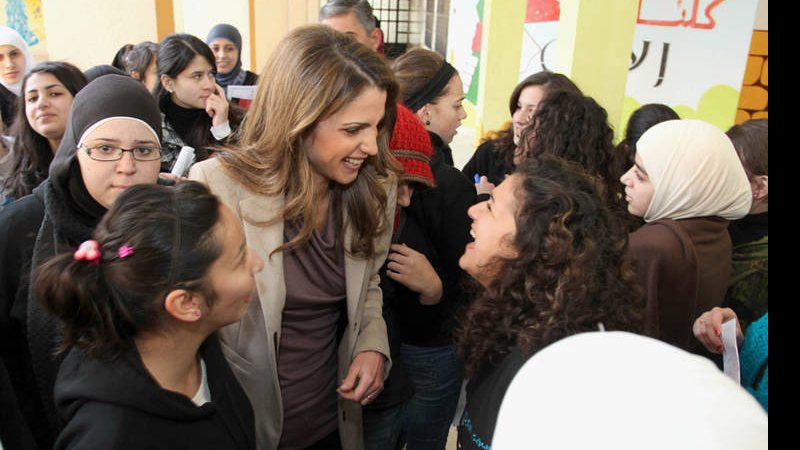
691	55
688	54
464	43
539	37
25	16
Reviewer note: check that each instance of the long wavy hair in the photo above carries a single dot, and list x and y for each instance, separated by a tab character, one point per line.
572	272
550	82
314	72
32	153
575	127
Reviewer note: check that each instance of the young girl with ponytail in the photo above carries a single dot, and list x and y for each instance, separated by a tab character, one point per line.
140	303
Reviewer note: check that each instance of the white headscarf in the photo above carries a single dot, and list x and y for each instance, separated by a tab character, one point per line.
621	391
694	170
9	36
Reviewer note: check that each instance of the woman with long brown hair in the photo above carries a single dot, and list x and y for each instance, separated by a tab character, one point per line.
312	183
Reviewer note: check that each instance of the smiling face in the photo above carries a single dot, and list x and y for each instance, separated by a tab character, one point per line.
47	104
529	100
12	64
340	144
638	188
232	276
225	54
446	114
105	180
493	228
192	87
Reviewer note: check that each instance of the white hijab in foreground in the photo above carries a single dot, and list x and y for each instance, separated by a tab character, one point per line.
621	391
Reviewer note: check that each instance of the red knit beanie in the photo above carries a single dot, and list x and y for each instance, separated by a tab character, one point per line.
411	146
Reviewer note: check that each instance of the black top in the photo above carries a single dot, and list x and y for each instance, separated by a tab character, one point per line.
485	392
749	228
487	162
443	150
19	224
58	215
397	387
14	433
439	228
118	404
8	106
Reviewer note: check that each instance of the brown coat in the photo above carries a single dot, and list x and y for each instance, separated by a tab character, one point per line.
684	266
249	345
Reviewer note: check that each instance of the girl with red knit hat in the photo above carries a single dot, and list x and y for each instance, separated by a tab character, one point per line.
420	290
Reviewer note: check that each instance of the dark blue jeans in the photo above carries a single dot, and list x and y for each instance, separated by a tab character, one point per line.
437	374
382	428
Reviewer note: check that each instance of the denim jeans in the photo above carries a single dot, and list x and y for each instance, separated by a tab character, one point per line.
382	427
437	374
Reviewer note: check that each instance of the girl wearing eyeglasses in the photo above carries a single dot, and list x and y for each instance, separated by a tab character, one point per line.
113	112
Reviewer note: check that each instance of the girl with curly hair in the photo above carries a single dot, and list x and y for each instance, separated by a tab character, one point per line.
495	158
551	262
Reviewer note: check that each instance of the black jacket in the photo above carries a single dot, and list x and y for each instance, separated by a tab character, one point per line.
19	225
117	404
484	395
8	106
487	162
441	216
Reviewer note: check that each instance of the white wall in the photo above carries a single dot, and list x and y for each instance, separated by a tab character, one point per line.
197	17
762	16
89	32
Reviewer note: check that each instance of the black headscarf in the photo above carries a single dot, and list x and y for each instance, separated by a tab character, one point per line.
106	97
71	213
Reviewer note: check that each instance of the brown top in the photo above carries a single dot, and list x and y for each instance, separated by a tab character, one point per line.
315	300
684	266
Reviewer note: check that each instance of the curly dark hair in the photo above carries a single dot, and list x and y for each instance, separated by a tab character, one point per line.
572	271
550	82
575	127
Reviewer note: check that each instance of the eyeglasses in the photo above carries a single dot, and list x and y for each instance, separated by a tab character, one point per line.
109	153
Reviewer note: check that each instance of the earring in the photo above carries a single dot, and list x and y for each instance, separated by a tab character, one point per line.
428	122
755	195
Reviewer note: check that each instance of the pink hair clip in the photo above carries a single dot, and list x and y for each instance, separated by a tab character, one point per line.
88	251
125	251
